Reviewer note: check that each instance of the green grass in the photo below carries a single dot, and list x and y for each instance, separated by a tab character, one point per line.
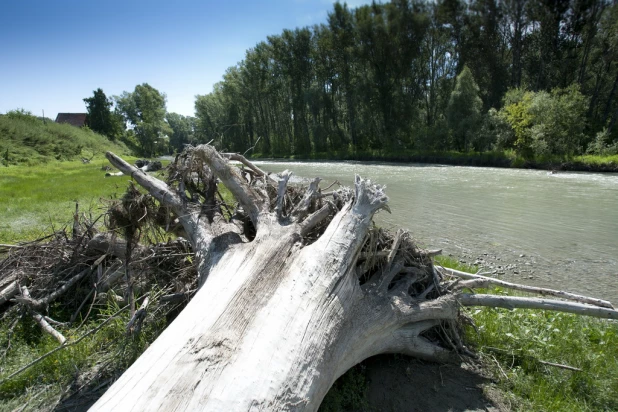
44	383
596	159
35	199
513	342
25	139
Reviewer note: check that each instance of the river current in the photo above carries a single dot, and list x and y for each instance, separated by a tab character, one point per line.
555	230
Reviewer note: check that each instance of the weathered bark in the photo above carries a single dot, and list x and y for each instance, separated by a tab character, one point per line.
288	304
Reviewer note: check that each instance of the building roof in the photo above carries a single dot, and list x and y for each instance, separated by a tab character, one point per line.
74	119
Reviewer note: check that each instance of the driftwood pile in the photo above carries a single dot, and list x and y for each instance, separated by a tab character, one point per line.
121	255
137	255
64	280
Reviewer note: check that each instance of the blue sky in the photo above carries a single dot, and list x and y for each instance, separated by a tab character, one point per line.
55	53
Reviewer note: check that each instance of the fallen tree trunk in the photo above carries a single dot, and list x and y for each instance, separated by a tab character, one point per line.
294	291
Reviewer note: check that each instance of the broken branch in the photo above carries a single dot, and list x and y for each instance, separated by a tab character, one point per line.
512	302
479	281
40	319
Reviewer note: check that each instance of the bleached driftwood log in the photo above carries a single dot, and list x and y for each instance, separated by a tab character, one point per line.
295	290
42	321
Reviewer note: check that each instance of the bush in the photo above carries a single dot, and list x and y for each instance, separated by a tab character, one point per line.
546	123
600	145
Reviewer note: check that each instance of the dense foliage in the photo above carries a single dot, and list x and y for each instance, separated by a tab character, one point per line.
541	78
100	117
145	110
183	130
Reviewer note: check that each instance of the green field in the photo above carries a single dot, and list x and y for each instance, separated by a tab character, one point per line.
35	200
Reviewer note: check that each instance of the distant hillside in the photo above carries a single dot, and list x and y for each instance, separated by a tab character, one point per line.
26	139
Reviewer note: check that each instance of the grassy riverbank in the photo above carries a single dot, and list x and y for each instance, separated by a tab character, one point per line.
516	345
512	344
508	159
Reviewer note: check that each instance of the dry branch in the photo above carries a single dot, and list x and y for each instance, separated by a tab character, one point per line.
135	323
479	281
155	187
242	159
8	292
512	302
40	319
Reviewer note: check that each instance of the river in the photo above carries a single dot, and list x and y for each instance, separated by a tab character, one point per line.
555	230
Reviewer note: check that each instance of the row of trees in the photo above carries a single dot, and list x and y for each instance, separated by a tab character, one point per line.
152	130
539	77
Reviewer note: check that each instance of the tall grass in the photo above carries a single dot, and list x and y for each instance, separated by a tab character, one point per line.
25	139
100	356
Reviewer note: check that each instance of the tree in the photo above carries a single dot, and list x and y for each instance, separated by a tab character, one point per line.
144	108
559	121
183	130
100	117
341	26
485	21
464	110
294	290
516	25
547	123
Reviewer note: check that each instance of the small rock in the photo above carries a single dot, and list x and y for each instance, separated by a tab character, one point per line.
522	255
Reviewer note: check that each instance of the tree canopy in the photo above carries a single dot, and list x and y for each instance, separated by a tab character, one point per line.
145	110
183	129
415	75
100	117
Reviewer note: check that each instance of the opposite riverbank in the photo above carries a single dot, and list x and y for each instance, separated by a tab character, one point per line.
584	163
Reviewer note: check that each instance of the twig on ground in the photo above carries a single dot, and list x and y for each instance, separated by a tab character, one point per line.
65	345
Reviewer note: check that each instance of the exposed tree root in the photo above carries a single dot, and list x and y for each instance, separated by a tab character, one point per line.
307	279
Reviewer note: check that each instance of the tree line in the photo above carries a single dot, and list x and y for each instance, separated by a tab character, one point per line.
535	77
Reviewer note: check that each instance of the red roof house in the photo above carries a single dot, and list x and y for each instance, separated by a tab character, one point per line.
74	119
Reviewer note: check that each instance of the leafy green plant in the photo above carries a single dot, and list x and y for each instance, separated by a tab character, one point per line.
519	345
